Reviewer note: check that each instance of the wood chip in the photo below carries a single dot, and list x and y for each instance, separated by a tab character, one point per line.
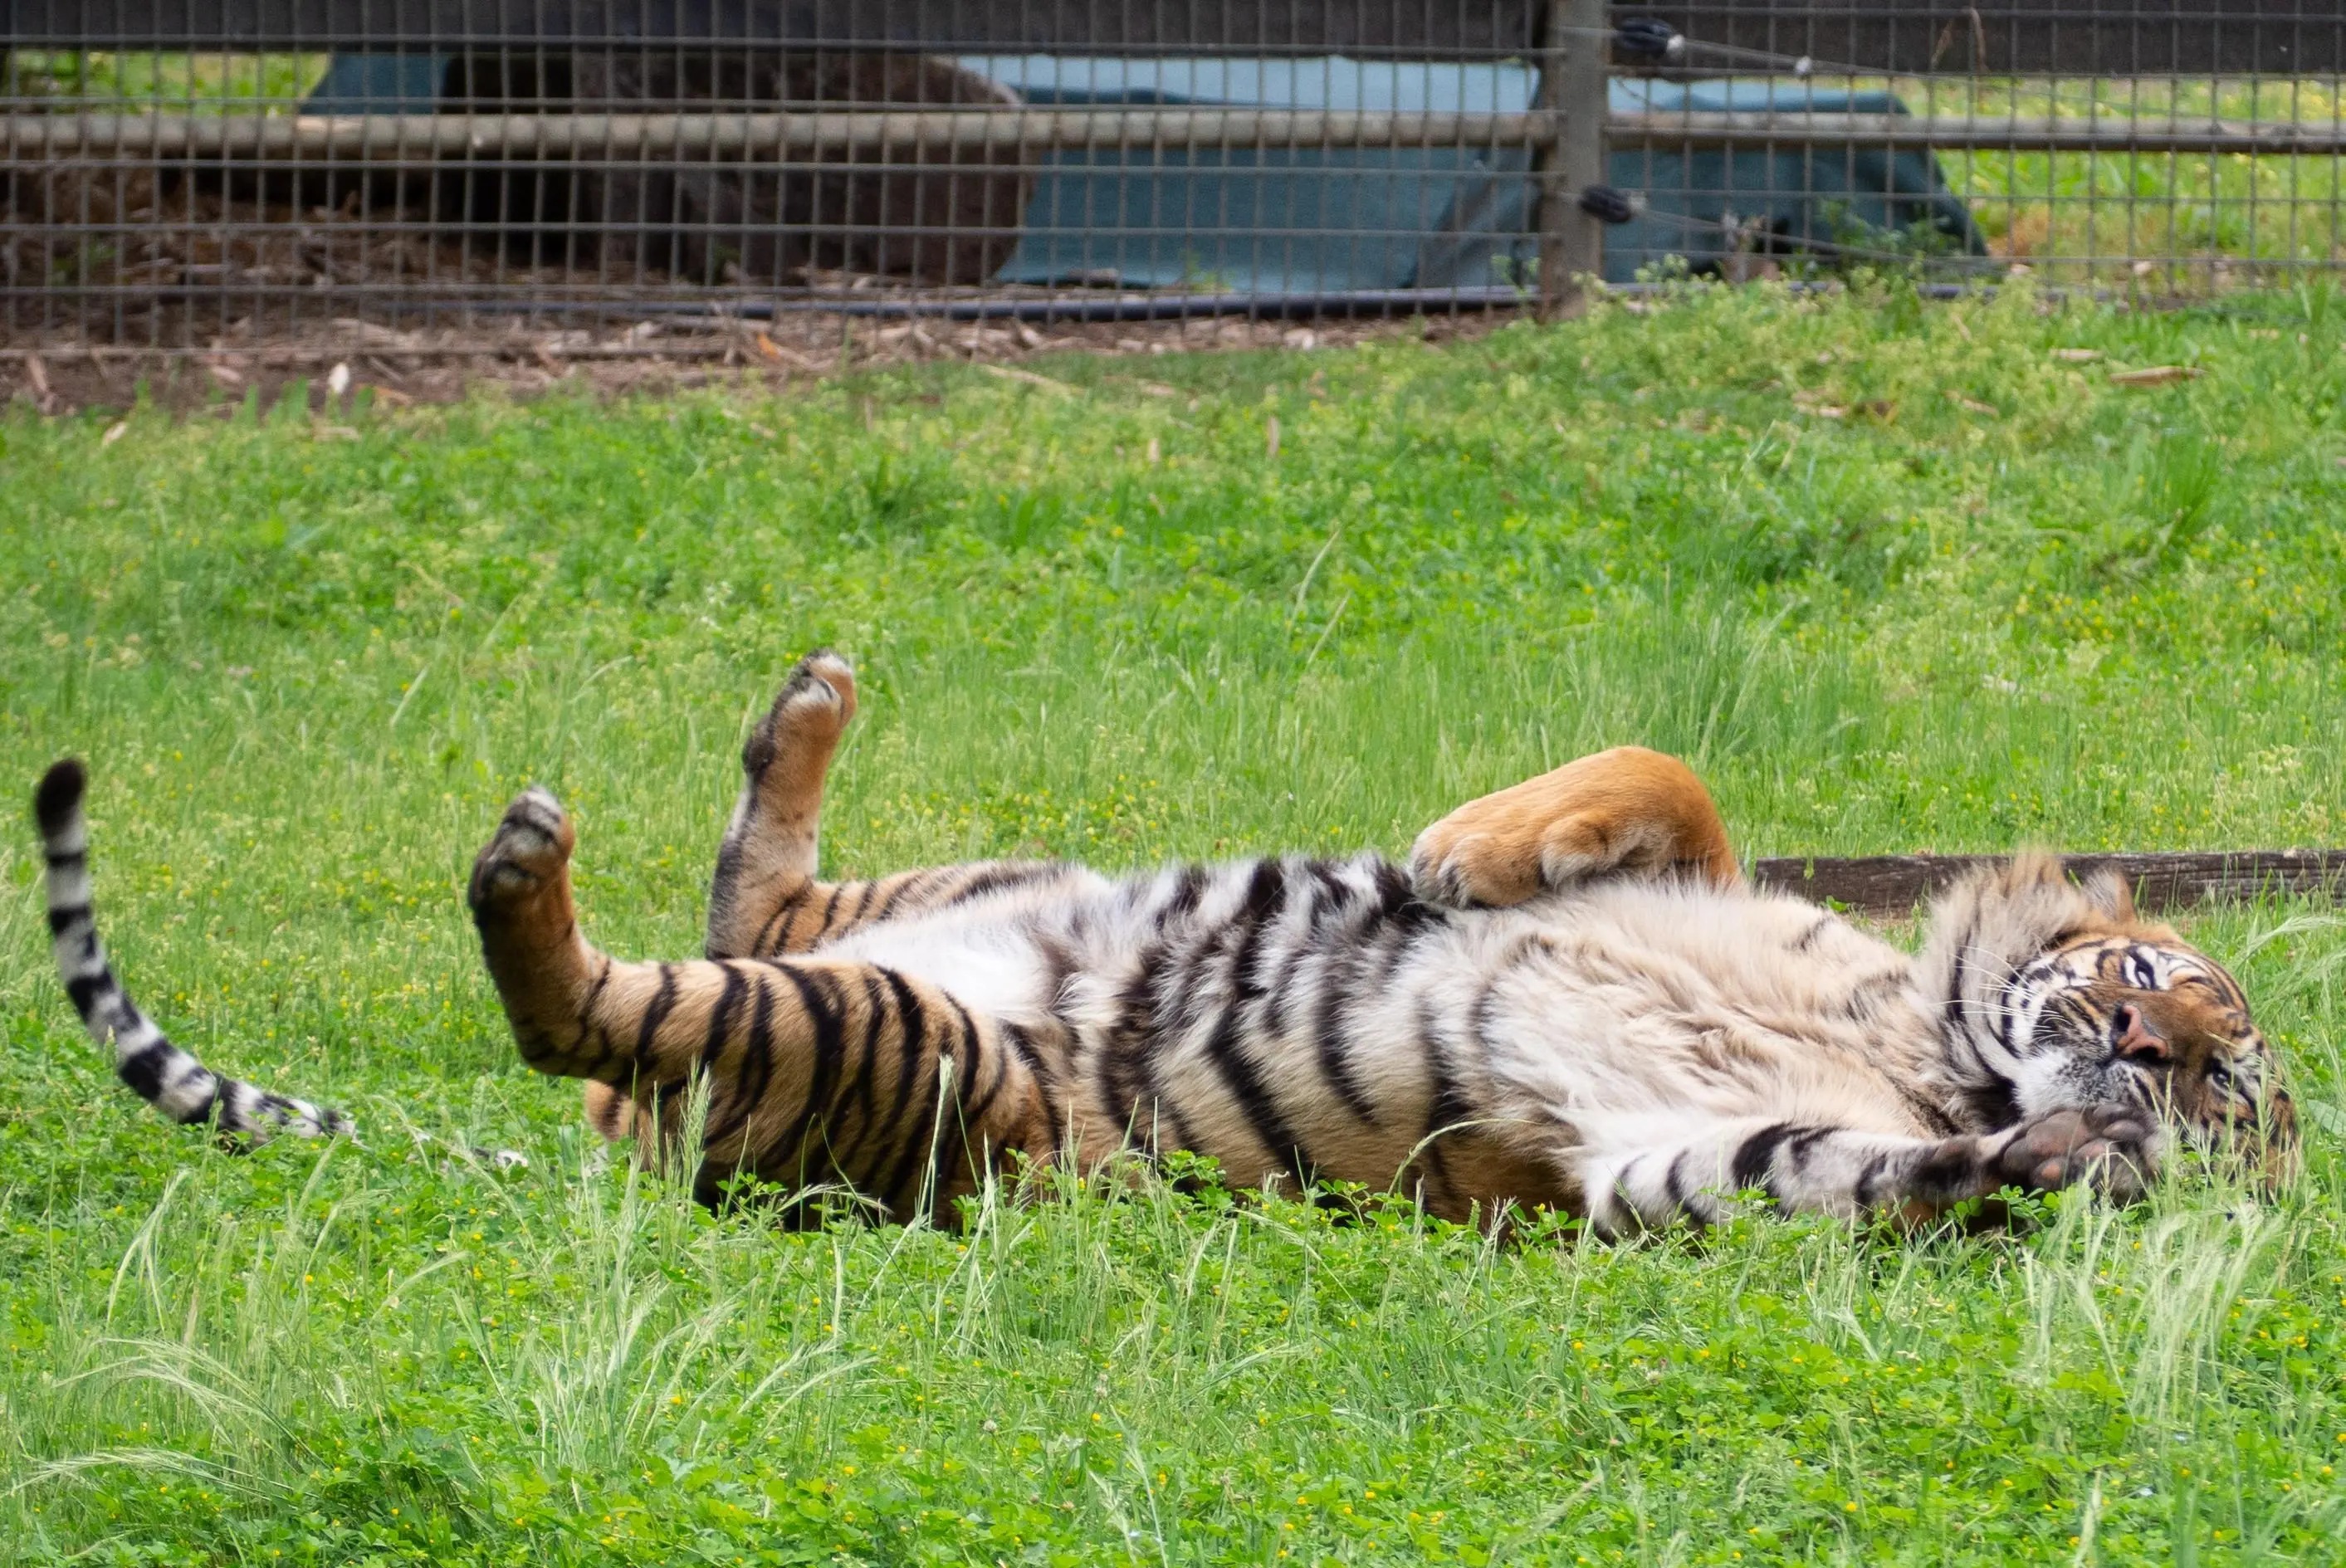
1973	405
114	432
2156	376
2077	356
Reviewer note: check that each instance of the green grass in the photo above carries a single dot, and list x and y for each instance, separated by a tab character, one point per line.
2201	221
192	84
308	671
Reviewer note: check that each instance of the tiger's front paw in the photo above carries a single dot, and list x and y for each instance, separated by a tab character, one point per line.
2112	1149
529	854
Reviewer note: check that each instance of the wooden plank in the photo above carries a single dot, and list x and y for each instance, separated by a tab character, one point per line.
2017	37
1424	29
2066	37
392	137
1897	884
1665	131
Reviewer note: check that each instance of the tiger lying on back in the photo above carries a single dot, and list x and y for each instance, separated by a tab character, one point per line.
1569	999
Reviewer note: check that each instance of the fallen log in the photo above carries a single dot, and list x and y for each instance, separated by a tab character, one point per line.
1897	884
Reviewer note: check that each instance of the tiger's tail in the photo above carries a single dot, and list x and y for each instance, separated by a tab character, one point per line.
164	1076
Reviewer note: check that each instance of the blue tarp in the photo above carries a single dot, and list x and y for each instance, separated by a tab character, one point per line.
1320	220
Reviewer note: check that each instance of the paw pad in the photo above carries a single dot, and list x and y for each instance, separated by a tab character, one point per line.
532	844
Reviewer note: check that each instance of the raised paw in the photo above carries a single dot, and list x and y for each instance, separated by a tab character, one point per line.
529	853
2113	1148
1626	811
810	714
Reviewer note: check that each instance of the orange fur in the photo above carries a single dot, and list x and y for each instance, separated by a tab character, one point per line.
1626	810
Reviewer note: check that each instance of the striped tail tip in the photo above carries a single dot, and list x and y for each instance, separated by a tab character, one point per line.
146	1060
56	804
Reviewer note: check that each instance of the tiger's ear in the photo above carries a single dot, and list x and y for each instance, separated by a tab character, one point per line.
2108	890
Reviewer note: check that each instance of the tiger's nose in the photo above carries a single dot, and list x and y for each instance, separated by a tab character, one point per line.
2135	1039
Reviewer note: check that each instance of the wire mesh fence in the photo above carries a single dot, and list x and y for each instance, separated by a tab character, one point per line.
177	170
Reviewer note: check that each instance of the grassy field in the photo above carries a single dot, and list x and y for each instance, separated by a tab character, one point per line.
1895	577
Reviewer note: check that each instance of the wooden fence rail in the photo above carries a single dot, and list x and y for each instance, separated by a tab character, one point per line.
1896	884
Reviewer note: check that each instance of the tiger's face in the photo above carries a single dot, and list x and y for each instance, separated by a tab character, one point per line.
2133	1015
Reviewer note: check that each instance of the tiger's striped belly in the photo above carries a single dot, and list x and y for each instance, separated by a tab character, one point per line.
1299	1019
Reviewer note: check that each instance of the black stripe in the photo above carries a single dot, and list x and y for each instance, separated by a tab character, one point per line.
896	894
1122	1059
1143	1045
663	1003
1869	1178
1926	1110
875	1014
1756	1155
955	1115
994	878
1226	1051
1953	1006
827	1042
975	1110
143	1069
831	905
1392	887
1331	1034
721	1016
1996	1102
1448	1104
770	932
586	1006
1797	1153
712	1045
912	1057
1674	1192
1188	889
1021	1045
1807	939
59	919
757	1069
85	989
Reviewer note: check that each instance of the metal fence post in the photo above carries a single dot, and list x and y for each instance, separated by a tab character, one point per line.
1572	156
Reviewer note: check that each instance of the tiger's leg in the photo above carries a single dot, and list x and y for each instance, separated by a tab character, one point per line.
1637	1178
764	900
818	1070
1628	811
766	862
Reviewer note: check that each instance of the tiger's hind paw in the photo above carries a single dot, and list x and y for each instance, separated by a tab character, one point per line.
530	852
810	714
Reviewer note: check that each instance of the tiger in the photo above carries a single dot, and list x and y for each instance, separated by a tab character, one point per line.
1569	999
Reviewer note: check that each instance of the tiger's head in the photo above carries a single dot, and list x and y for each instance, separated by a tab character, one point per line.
2058	996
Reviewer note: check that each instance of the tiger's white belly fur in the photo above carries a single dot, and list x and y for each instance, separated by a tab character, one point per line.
1297	1017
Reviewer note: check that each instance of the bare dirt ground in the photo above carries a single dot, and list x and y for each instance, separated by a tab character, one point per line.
343	361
